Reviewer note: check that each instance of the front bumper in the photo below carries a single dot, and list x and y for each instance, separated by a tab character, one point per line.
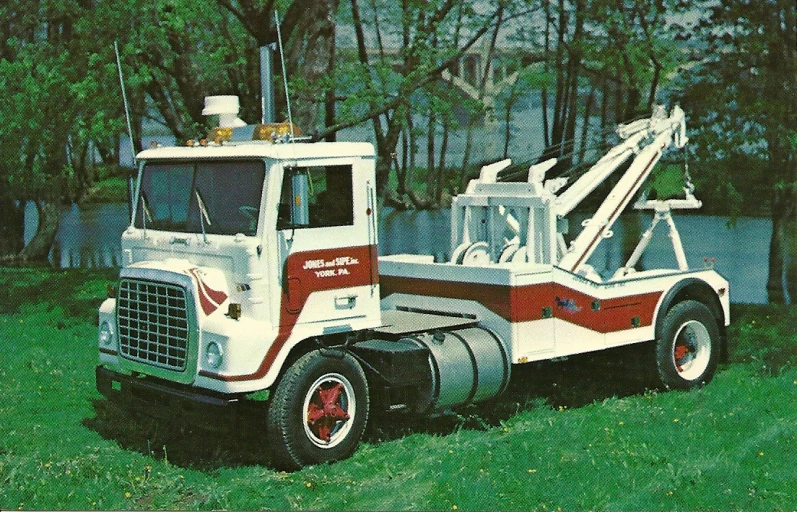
169	401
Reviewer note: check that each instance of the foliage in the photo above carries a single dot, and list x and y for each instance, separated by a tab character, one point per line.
63	110
741	99
403	67
577	435
415	42
176	55
36	133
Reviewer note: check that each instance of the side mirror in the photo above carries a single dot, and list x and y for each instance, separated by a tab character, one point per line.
300	207
130	195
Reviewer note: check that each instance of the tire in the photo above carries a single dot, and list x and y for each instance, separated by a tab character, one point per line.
688	349
319	410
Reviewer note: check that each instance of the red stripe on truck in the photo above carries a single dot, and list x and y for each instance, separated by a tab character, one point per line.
304	273
526	303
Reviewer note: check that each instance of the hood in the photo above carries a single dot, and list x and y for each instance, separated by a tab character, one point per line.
209	285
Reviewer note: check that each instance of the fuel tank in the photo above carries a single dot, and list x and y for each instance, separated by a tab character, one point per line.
466	365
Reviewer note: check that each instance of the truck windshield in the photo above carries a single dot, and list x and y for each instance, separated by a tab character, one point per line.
219	197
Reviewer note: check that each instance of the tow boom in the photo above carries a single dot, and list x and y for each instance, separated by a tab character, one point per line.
648	139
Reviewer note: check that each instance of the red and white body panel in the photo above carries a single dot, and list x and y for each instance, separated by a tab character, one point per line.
540	311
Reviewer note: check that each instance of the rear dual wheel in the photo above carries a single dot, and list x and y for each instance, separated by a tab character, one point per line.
319	410
688	348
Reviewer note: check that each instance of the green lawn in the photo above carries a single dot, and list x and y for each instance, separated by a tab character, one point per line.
576	435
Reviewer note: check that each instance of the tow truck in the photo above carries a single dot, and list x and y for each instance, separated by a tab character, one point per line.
251	265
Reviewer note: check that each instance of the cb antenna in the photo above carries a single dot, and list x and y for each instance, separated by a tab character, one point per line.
284	74
124	99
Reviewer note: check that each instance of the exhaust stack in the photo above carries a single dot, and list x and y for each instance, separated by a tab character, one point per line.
267	84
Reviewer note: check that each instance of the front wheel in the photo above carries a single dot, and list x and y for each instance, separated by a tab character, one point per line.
687	351
319	410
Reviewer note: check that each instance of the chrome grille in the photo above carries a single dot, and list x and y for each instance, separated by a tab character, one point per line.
153	323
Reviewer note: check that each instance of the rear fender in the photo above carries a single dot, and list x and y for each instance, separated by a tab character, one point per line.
698	290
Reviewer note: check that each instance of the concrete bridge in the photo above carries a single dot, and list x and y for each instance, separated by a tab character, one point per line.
468	73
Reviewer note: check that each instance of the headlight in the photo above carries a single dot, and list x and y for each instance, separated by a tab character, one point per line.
214	355
105	335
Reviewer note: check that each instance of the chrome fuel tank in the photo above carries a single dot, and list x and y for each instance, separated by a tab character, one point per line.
467	365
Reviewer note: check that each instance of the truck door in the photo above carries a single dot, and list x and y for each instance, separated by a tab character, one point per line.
328	250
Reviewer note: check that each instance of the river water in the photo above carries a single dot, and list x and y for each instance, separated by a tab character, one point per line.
89	237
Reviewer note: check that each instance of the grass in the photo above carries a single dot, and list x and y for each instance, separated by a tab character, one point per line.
110	185
108	190
576	435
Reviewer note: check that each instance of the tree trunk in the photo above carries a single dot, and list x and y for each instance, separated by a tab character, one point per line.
431	143
585	127
385	149
573	67
783	245
441	166
465	171
463	177
779	90
138	123
408	180
382	164
790	265
558	107
39	247
309	50
775	291
329	96
510	104
544	90
401	167
654	83
604	110
12	229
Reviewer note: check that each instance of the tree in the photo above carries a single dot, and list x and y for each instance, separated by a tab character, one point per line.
608	52
63	108
47	119
308	32
742	100
380	88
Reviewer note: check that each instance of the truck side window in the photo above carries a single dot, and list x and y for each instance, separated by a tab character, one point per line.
329	197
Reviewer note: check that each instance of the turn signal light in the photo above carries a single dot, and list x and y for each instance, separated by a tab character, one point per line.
271	131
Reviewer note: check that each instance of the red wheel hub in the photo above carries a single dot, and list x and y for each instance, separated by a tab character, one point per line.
680	352
326	410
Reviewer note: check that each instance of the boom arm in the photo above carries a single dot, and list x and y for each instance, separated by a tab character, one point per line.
648	138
